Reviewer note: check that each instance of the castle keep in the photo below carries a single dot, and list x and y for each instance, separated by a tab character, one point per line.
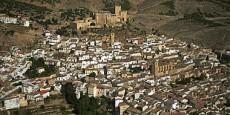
104	18
109	19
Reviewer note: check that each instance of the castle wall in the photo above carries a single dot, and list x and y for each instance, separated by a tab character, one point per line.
84	24
124	16
104	18
118	10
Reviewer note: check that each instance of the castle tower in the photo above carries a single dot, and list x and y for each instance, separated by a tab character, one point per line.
117	10
124	16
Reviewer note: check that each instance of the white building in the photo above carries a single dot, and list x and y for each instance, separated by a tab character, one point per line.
11	103
8	20
26	23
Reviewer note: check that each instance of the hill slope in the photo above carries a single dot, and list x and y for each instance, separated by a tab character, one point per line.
205	22
67	4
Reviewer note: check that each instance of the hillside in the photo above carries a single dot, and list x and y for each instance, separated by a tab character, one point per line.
67	4
205	22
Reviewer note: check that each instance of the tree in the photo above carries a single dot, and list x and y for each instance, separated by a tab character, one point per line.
54	21
10	32
83	80
63	31
125	5
40	62
105	70
135	69
109	5
69	93
207	58
86	105
183	81
1	62
93	74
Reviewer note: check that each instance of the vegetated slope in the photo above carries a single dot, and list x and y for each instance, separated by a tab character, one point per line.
17	35
205	22
13	35
90	4
67	4
93	5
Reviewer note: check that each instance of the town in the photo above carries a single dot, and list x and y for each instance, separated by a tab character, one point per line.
137	74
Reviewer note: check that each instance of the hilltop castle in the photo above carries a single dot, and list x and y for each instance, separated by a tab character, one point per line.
104	18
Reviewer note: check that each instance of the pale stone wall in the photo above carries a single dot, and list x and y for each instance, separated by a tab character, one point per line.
161	70
104	18
84	24
124	16
118	10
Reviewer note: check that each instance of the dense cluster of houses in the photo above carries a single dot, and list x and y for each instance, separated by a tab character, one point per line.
140	74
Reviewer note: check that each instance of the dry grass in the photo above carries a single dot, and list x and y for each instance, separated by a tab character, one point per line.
148	17
24	40
21	38
71	4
